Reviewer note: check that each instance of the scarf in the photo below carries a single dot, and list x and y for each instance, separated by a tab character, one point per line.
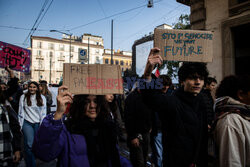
227	105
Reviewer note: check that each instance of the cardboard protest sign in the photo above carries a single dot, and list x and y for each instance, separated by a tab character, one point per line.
93	79
184	45
16	57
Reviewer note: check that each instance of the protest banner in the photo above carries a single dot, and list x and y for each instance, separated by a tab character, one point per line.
93	79
15	57
184	45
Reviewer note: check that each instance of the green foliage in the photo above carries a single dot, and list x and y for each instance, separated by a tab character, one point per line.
183	23
172	67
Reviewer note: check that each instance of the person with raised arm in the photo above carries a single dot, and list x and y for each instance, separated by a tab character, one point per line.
83	139
184	122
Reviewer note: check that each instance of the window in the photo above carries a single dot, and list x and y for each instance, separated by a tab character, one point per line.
60	65
61	47
61	56
121	63
39	44
39	53
97	51
106	61
97	61
117	62
51	54
72	48
51	46
40	65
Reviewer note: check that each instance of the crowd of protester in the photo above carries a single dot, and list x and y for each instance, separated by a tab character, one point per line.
198	124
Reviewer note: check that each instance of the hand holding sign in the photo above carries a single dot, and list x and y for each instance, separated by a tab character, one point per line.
63	98
154	58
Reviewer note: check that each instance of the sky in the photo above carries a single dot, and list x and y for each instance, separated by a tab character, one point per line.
131	19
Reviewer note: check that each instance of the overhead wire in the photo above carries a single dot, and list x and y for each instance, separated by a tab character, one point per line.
38	17
101	8
44	14
21	28
95	21
169	12
38	20
132	17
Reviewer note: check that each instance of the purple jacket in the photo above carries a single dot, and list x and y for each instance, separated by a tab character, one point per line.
54	141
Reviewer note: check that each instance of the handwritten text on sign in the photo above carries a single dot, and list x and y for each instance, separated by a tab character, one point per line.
16	57
93	79
184	45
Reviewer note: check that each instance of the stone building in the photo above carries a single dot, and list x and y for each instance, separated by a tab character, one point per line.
122	58
230	22
49	54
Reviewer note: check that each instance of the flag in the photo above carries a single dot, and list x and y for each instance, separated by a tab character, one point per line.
157	73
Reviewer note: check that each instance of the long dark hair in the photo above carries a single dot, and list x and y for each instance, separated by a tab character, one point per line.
230	85
45	91
77	112
107	107
38	95
99	140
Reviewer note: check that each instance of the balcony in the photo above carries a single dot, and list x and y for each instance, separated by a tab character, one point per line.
39	69
61	58
39	57
59	70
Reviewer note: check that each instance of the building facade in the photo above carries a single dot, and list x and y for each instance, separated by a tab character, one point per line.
49	54
122	58
229	20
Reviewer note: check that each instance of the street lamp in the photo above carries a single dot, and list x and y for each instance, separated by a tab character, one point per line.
70	35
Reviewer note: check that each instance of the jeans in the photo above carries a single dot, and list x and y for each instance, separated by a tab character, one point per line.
157	149
29	131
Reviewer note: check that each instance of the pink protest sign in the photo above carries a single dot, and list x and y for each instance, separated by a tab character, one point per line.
16	57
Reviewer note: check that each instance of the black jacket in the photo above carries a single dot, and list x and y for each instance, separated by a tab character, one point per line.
137	115
184	127
209	102
14	91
